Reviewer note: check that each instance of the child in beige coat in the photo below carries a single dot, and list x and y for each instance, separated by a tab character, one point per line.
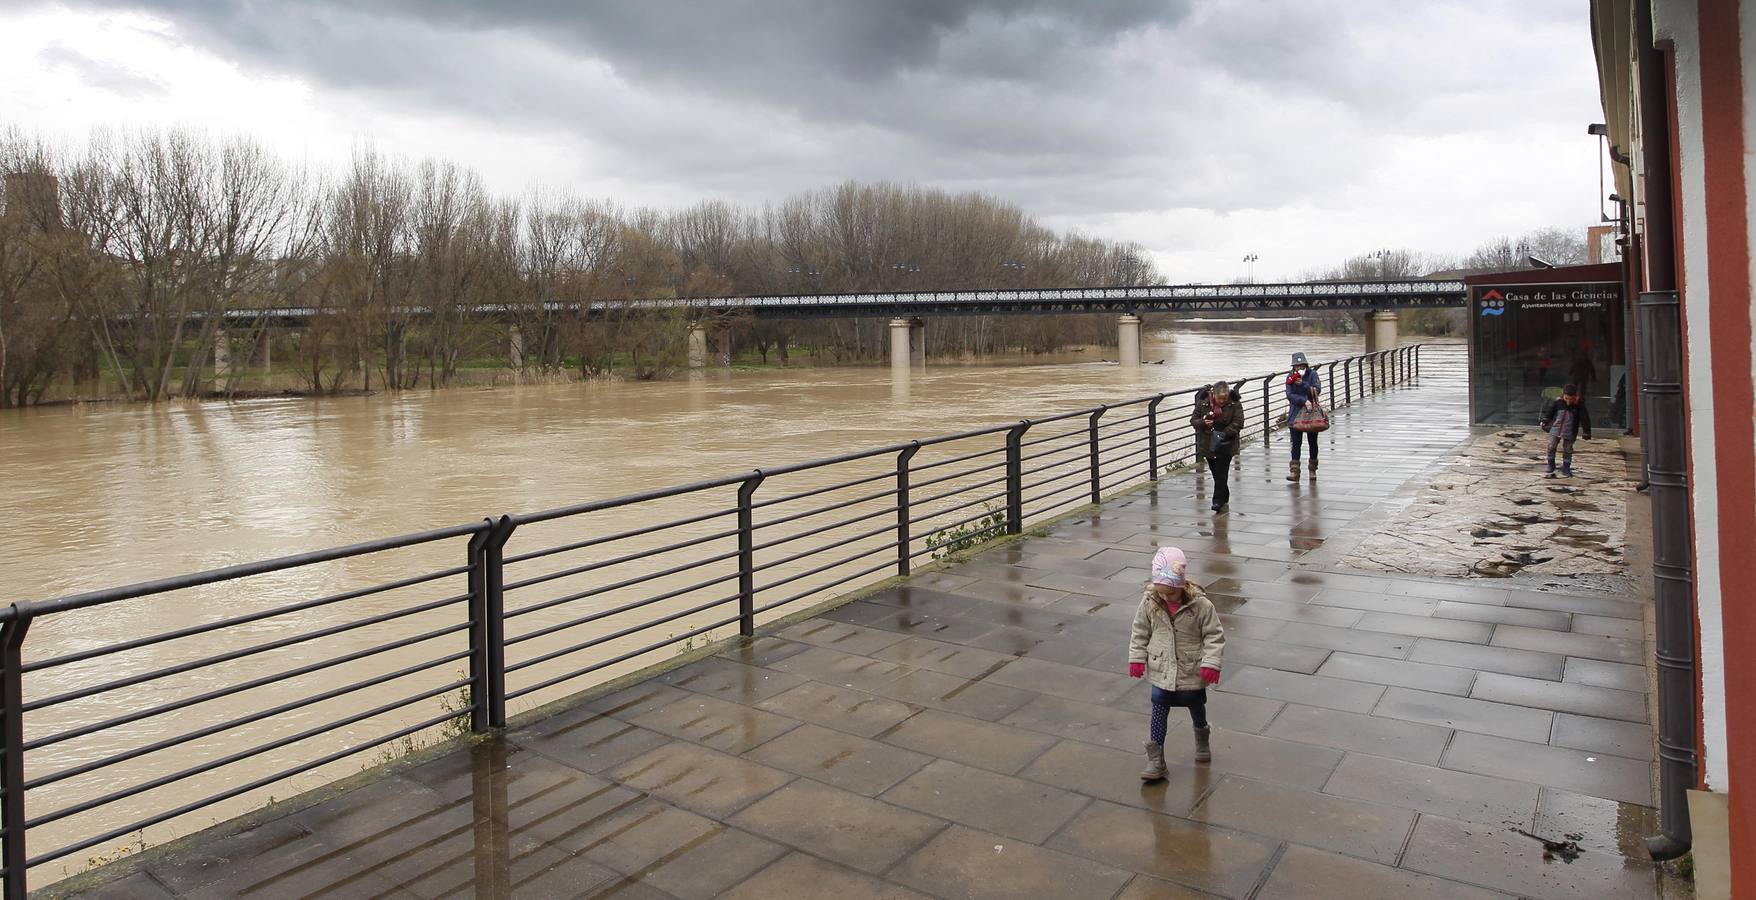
1177	642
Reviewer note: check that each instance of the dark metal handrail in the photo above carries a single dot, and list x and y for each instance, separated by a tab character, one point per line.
987	482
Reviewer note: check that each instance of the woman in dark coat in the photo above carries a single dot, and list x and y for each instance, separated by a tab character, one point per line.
1217	419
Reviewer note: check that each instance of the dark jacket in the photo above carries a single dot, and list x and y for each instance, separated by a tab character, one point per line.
1581	418
1300	390
1230	421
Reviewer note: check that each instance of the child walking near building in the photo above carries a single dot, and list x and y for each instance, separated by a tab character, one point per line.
1566	419
1176	643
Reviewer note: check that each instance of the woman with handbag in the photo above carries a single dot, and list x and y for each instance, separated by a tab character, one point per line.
1217	419
1302	386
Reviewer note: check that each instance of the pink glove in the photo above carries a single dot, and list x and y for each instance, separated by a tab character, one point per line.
1210	675
1135	670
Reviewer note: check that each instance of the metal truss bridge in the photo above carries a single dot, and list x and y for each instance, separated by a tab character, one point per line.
1353	296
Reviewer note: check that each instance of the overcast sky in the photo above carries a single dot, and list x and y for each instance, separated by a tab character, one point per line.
1303	132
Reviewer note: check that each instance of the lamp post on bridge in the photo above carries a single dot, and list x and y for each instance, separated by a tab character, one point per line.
1250	260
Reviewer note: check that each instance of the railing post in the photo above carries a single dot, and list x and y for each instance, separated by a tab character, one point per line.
487	635
1371	364
1152	435
1329	385
1265	380
1015	477
1417	362
1096	477
13	854
747	556
902	506
1347	375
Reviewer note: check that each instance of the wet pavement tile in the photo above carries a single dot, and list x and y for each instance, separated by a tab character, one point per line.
1146	888
1398	673
1114	775
919	598
1079	650
1595	823
1503	615
1011	594
1109	608
699	779
1200	856
1099	725
1504	860
1581	771
1346	599
1531	664
1263	590
1425	626
1069	682
637	700
1435	791
997	748
1594	606
1464	714
1356	828
937	690
1267	759
1631	739
801	875
1271	654
1608	626
1580	699
843	709
139	886
1084	585
589	742
1590	646
1291	611
930	625
192	867
673	851
760	651
1597	673
940	656
973	865
836	758
730	681
1002	804
845	669
840	636
1248	627
1044	622
1306	874
844	827
1472	592
1364	734
1312	690
1370	643
711	722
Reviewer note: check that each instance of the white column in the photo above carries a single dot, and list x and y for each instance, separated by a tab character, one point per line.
917	343
515	351
697	346
1382	331
222	353
1128	339
264	353
901	337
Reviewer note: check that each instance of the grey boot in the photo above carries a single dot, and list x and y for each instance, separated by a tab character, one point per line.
1155	763
1203	753
1313	468
1293	471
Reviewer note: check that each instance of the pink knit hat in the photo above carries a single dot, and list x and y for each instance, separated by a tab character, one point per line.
1168	566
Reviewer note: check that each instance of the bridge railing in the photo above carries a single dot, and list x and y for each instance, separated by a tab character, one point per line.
126	732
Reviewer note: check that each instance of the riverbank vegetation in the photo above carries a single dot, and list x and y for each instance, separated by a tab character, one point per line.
142	266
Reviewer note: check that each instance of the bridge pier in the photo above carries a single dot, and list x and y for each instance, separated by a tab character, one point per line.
697	345
1128	339
222	353
908	345
264	352
1381	331
515	350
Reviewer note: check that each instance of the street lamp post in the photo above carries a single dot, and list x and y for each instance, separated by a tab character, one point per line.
1250	260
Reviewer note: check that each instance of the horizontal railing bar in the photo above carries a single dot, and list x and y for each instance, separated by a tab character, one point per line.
531	689
885	529
956	459
136	644
252	684
605	539
839	486
1057	492
616	635
1061	477
234	655
1067	435
842	523
823	587
956	475
617	610
794	517
882	548
998	527
1076	449
960	507
33	608
617	560
229	793
955	491
1076	499
629	582
258	716
950	525
241	755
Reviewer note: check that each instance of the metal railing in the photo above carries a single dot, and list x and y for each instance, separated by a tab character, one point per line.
113	736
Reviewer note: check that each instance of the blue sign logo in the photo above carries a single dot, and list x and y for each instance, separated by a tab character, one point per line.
1493	303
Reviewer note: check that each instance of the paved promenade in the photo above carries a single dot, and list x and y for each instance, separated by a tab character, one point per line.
973	734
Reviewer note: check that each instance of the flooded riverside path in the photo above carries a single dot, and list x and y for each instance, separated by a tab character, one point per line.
972	733
120	494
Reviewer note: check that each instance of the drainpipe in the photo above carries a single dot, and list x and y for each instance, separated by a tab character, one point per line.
1661	390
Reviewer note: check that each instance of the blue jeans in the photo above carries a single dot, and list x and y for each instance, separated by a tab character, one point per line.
1566	452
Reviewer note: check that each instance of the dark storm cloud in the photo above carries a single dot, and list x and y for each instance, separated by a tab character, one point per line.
100	74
